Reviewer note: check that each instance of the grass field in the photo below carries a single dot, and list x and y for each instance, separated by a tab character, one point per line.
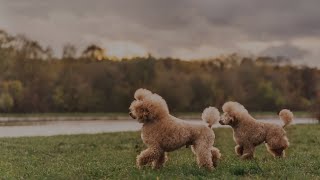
112	156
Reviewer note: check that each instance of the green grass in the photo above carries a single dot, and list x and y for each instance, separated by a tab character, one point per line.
112	156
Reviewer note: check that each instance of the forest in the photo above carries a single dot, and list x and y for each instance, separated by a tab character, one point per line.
33	80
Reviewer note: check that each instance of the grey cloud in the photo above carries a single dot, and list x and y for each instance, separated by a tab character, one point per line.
270	18
164	25
286	50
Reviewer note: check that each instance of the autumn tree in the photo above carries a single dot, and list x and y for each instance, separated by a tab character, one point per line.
94	52
32	80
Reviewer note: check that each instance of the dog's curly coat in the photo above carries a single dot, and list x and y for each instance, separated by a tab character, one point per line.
249	133
162	132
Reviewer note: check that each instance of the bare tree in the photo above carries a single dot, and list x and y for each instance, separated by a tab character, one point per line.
69	51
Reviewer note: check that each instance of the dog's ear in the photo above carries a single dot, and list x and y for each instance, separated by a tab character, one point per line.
233	121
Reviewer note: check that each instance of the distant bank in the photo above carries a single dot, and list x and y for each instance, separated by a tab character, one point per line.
48	117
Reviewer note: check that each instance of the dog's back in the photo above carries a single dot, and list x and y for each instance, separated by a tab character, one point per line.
172	133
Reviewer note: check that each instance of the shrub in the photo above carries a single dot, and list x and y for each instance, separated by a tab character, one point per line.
6	102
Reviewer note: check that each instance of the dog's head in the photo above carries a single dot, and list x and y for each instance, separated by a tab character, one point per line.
233	112
227	119
140	111
147	107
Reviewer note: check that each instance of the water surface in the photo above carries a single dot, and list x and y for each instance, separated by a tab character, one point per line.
50	128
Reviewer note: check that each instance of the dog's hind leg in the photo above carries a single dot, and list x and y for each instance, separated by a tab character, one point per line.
148	156
239	150
276	152
204	156
158	163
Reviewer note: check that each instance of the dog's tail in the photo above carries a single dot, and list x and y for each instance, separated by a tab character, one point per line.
286	116
210	115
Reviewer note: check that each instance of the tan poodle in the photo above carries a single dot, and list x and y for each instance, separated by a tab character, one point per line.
162	132
249	133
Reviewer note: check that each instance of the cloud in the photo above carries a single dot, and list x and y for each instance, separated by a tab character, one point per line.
166	27
285	50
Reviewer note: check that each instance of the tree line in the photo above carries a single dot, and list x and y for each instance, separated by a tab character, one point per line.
33	80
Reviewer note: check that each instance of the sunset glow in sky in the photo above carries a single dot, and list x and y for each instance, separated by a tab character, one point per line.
178	28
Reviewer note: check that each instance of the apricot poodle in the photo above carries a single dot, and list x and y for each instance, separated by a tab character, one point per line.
249	133
162	132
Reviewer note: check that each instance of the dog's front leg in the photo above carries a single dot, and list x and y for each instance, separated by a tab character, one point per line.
239	150
248	152
158	163
148	156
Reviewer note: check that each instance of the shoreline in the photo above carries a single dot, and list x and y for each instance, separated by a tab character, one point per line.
51	117
53	128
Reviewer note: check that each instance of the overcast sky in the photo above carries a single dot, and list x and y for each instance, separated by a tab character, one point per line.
178	28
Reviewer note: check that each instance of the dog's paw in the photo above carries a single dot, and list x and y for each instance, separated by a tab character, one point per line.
247	156
139	166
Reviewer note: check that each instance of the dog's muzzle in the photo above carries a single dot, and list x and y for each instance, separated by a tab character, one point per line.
131	115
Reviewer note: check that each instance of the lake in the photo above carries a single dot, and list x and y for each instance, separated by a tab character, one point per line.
50	128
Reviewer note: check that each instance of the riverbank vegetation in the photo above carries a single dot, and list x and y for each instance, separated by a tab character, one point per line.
32	80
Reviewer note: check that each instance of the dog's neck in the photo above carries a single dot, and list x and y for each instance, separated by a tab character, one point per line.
235	123
157	119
